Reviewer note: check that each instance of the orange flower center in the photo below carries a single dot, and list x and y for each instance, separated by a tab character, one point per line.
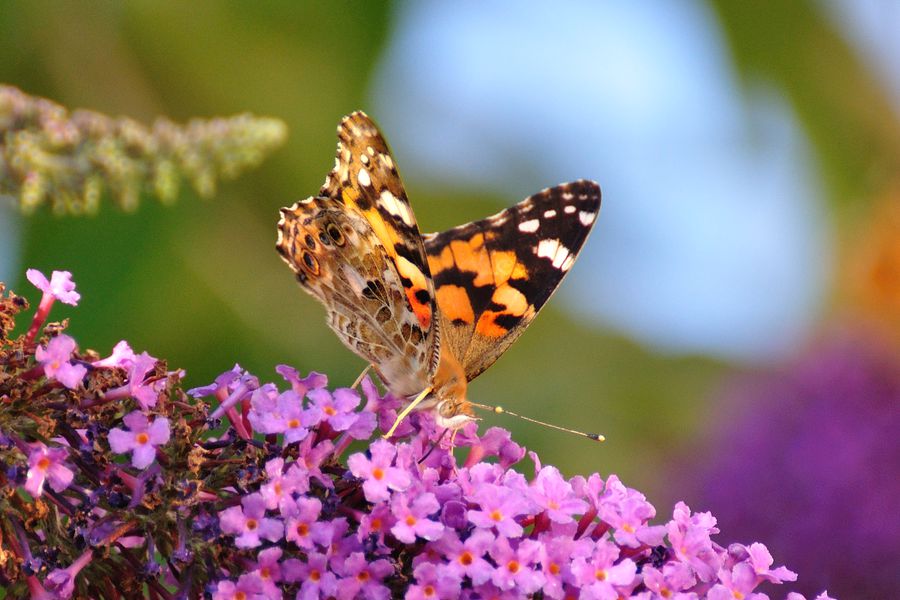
294	423
315	575
428	591
378	474
512	566
600	574
497	516
363	576
44	463
329	410
142	438
466	558
252	524
554	569
410	520
302	529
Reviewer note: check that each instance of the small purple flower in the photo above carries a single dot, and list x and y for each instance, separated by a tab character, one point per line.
412	517
433	582
142	438
672	578
337	410
145	393
689	537
467	558
268	570
280	413
377	472
46	465
249	523
514	565
627	515
248	587
760	559
301	385
122	356
55	360
600	575
61	582
280	486
301	521
317	580
498	508
222	382
60	285
361	577
738	582
555	495
555	555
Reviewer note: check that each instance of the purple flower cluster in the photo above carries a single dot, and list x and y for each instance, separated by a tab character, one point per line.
292	500
404	519
816	444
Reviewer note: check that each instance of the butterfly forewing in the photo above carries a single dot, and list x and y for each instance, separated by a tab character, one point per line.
365	179
491	277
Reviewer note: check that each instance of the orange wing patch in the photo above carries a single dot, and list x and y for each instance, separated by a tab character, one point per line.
455	304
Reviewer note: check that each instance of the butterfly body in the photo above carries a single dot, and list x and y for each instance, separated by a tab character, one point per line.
430	312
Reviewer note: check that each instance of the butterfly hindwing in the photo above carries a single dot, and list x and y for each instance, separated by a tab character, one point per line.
365	179
491	277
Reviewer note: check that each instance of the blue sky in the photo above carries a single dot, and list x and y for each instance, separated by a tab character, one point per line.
712	237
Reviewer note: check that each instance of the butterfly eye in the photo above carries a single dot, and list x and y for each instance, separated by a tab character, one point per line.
311	263
335	233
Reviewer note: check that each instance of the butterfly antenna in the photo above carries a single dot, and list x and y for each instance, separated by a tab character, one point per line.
499	410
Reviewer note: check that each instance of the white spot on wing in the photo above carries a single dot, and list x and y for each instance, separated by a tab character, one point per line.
396	207
529	226
364	180
549	214
586	217
569	209
547	248
553	250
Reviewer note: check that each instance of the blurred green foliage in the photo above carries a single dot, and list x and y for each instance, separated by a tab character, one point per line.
199	283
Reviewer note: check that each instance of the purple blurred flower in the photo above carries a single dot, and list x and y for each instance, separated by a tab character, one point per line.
55	360
812	445
141	438
60	285
46	465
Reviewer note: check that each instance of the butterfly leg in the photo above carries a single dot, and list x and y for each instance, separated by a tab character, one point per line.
360	378
409	408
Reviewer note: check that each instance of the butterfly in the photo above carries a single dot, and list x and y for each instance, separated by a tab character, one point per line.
429	312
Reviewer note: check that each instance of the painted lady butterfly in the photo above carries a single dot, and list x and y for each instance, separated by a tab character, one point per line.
429	312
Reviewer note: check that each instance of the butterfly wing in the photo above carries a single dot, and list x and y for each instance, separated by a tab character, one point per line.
492	276
365	179
339	260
